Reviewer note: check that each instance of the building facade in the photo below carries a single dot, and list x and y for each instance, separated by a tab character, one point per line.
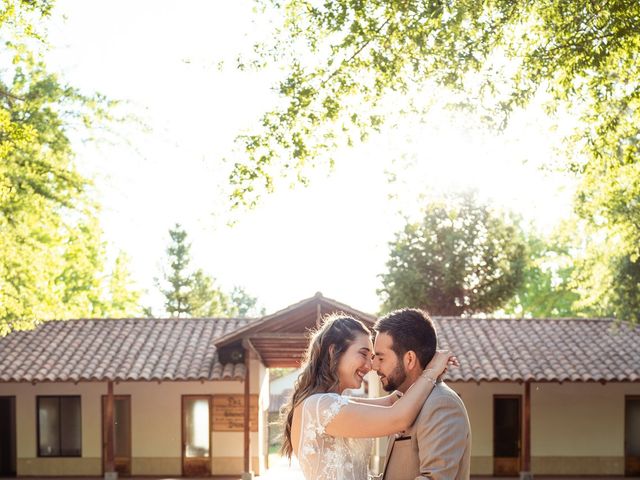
168	396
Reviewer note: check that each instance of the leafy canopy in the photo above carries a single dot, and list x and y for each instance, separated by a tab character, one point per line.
52	260
460	259
342	58
547	289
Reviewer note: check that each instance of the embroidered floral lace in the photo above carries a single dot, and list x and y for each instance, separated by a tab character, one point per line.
323	457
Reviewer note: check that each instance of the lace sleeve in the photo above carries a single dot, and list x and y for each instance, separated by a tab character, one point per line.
317	413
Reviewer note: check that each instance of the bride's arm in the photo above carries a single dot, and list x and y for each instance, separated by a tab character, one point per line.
359	420
385	401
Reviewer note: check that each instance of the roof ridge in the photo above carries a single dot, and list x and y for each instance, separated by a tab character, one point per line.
525	319
109	319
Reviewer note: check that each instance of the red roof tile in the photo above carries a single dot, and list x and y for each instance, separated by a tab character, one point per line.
541	349
183	349
128	349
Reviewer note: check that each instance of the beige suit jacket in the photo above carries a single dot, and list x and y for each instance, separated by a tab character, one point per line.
438	444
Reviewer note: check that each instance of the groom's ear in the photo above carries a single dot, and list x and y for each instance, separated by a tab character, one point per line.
410	360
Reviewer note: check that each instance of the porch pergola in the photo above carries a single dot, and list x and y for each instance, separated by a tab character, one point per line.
279	341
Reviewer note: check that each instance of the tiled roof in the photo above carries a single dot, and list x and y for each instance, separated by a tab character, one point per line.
541	349
127	349
183	349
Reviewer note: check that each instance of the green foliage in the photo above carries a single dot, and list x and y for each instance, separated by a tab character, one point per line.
52	261
245	304
83	259
547	289
344	58
179	279
625	291
606	278
206	300
461	259
50	269
275	373
580	271
124	299
194	293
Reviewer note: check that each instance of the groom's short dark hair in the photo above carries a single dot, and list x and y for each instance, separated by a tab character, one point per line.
410	329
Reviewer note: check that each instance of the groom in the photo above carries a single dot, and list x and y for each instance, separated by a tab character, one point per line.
438	444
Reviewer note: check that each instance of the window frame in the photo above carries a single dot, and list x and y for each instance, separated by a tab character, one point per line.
60	426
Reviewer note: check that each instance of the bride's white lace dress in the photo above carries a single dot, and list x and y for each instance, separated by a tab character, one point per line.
323	457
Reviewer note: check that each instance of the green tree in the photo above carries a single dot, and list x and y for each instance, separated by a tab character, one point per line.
195	293
547	289
51	257
245	304
343	59
206	300
83	263
178	278
123	297
606	278
461	259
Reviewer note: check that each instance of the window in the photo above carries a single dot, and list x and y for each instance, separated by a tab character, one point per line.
59	427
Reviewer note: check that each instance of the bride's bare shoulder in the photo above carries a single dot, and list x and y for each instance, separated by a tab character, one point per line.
295	428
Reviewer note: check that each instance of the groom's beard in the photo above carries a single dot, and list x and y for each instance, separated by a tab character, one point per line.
395	379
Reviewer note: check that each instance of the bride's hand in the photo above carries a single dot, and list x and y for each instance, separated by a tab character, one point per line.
440	361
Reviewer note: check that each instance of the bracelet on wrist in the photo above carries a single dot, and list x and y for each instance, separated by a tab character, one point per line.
428	375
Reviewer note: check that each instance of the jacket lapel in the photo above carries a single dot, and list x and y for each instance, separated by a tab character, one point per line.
391	442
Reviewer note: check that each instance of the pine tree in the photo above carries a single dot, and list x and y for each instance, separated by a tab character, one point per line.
179	279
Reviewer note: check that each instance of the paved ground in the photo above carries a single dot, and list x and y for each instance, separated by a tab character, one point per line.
286	474
280	470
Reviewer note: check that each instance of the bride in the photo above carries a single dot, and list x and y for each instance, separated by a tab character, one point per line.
330	434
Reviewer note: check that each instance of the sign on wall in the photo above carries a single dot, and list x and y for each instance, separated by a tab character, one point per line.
228	413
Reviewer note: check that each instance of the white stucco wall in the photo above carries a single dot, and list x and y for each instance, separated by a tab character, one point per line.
156	409
576	428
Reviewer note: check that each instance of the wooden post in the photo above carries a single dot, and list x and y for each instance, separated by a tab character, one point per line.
526	474
110	471
248	474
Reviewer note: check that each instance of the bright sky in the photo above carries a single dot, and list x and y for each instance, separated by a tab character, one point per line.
162	57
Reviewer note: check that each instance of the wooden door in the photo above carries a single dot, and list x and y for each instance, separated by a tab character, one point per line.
196	435
7	436
121	433
632	436
507	435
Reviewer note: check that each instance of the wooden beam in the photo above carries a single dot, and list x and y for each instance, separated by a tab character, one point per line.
247	413
281	348
301	342
282	356
110	450
283	353
246	343
279	336
526	474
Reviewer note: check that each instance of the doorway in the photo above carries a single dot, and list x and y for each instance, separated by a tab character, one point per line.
196	435
7	436
507	435
632	436
121	433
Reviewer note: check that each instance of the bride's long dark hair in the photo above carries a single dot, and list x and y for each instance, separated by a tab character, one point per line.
320	365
